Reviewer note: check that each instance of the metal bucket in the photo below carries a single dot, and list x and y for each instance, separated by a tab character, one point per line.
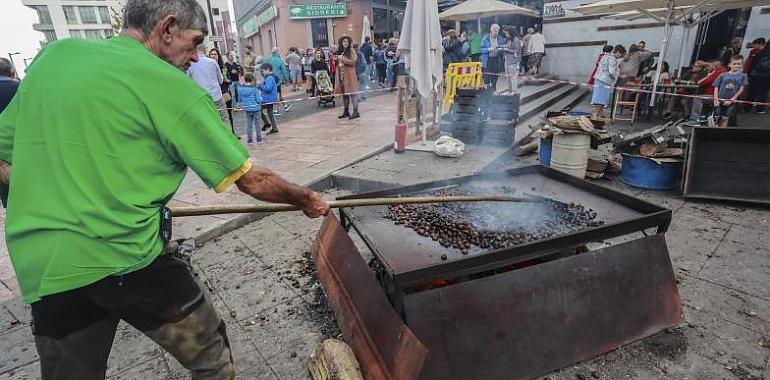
569	153
652	174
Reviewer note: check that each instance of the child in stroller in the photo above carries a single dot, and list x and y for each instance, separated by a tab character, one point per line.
324	88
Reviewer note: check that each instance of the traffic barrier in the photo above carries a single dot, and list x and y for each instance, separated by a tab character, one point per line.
461	75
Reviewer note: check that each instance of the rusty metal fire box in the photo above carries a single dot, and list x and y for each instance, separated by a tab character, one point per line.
499	318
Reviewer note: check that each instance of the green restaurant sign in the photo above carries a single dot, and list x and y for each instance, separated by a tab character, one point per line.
267	15
251	26
307	11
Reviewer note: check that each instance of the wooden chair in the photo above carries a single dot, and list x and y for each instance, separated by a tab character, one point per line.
629	91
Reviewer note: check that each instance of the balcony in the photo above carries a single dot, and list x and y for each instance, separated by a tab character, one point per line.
41	27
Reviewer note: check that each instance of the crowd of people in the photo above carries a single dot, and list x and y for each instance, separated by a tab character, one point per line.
711	88
256	85
501	52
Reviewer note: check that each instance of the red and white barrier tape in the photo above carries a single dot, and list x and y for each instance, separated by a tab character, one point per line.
629	89
539	79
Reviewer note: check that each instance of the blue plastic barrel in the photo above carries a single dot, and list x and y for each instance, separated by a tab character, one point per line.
545	152
646	173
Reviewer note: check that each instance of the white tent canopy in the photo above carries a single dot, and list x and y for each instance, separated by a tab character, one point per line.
476	9
668	12
644	6
660	13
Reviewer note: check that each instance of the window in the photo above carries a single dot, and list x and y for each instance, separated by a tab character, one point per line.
104	15
88	15
70	15
215	11
93	34
76	33
320	32
50	35
43	15
109	33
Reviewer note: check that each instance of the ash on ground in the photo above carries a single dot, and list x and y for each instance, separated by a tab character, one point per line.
321	313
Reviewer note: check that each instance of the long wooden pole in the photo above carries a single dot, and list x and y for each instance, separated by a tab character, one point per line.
272	207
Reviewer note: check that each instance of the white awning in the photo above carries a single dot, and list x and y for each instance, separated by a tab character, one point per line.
717	6
476	9
645	6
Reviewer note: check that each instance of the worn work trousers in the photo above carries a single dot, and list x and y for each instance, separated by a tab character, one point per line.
74	330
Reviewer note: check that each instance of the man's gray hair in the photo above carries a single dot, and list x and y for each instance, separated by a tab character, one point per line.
6	68
145	14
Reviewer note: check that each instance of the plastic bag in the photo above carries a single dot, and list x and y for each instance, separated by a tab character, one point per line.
449	147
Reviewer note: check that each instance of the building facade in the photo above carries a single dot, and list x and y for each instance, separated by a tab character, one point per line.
63	19
266	24
574	40
97	19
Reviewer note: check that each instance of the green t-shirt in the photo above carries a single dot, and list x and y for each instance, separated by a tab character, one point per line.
475	42
100	135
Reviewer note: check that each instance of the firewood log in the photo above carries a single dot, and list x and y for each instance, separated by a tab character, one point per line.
334	360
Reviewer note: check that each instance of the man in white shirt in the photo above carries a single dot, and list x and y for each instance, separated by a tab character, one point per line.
208	75
536	50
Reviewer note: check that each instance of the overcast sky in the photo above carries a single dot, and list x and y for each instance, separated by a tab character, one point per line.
16	33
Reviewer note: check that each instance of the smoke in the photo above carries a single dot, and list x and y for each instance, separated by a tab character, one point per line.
545	217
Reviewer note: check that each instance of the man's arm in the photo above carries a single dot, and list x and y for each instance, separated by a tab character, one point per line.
262	184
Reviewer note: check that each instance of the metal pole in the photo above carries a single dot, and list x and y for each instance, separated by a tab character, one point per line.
10	55
279	207
390	26
685	37
663	50
26	66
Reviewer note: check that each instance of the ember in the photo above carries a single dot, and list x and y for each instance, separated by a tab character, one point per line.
462	225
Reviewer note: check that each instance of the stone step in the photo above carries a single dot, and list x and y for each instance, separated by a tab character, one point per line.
544	101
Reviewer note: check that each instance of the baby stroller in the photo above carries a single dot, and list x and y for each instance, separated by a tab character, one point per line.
324	88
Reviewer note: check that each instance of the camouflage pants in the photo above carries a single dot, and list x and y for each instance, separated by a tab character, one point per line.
74	330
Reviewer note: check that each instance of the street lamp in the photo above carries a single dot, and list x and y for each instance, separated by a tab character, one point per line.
26	66
10	55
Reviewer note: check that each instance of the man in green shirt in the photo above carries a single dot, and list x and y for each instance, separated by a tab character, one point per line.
475	42
94	155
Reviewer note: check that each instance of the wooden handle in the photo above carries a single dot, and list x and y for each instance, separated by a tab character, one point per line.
273	207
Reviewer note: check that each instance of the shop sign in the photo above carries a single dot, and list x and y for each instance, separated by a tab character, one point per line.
553	11
267	15
307	11
250	27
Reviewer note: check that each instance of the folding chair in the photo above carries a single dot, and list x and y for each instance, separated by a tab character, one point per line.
621	94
